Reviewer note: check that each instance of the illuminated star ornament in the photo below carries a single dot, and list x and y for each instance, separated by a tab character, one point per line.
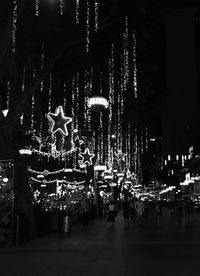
58	121
78	142
87	157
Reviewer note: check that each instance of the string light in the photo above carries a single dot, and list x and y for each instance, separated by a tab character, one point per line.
37	2
87	26
8	96
42	67
14	26
74	183
125	54
134	66
46	172
77	12
61	6
96	15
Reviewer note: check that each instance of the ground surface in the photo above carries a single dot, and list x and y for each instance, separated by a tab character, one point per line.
151	249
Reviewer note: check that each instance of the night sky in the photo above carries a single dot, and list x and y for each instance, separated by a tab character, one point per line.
181	101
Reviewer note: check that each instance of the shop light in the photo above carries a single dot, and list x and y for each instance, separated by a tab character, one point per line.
100	168
25	151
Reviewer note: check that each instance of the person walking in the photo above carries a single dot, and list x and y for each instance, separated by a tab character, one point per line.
187	209
126	210
85	212
139	207
111	214
132	209
158	212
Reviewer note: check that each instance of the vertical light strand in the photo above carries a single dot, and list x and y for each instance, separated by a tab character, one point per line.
77	12
8	96
41	126
42	67
146	138
72	110
129	146
96	16
136	151
14	26
101	138
141	142
134	66
111	102
23	79
64	98
50	92
77	99
33	104
87	26
32	112
126	54
37	2
61	6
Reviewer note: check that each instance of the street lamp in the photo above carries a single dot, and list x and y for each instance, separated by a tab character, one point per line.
97	103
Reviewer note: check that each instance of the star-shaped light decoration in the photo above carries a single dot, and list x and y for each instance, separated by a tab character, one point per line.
77	142
58	121
87	157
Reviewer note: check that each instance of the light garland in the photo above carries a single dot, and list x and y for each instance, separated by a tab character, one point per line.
87	26
74	183
37	2
96	17
54	154
134	66
61	6
14	26
46	172
77	12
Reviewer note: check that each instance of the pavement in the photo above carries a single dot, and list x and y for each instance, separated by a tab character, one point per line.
154	249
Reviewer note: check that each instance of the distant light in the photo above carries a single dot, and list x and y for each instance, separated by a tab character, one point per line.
5	179
100	168
113	136
68	170
97	103
40	176
5	112
152	139
75	130
169	157
25	151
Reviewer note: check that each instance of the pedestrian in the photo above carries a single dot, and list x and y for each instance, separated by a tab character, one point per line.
126	210
111	214
158	211
179	209
187	209
85	212
139	207
132	209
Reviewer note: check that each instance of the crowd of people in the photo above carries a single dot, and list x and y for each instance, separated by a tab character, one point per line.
137	210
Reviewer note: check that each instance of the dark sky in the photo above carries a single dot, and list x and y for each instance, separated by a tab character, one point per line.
181	101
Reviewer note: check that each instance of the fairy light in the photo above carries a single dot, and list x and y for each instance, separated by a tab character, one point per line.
126	54
23	79
32	112
37	2
50	92
14	26
96	7
87	26
72	111
8	96
146	136
42	67
77	100
134	66
61	6
77	12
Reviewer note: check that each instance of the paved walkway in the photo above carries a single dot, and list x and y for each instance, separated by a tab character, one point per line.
164	249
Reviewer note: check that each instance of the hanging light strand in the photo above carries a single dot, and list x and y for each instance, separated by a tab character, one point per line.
134	66
126	54
8	95
42	67
14	26
96	17
61	7
77	12
50	92
37	2
87	26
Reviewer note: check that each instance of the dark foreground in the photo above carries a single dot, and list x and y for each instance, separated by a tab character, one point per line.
151	249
